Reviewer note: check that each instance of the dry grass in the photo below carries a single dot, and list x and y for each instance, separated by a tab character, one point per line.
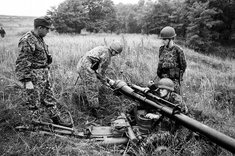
208	89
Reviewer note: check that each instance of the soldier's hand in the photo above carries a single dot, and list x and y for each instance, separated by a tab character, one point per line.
152	116
29	85
151	82
146	90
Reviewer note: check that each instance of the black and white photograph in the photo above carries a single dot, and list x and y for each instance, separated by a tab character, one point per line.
117	78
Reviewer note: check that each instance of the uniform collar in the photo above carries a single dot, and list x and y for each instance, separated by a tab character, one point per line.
170	47
37	36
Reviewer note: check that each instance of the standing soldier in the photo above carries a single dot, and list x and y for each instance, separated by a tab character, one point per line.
94	63
32	69
2	32
172	63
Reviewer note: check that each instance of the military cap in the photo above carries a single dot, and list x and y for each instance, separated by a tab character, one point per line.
43	21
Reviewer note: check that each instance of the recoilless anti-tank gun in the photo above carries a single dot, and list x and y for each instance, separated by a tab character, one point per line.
169	110
105	135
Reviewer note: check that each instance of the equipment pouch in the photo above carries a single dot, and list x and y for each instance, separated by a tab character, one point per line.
174	73
49	59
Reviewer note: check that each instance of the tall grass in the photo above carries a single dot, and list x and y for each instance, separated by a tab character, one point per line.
208	85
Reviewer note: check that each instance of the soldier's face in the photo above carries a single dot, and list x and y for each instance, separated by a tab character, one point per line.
43	31
163	92
165	41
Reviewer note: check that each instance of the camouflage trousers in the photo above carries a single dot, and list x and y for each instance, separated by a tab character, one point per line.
39	101
91	89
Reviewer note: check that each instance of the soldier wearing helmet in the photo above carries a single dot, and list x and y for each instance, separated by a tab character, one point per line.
95	62
148	118
172	63
165	89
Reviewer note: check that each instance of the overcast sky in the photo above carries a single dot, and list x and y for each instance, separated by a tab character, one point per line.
35	7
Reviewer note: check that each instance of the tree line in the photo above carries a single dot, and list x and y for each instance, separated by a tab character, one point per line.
204	25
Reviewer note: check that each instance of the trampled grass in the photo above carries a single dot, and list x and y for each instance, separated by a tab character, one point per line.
208	89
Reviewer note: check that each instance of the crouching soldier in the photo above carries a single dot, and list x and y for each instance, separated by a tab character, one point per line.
91	69
32	69
156	129
167	131
164	89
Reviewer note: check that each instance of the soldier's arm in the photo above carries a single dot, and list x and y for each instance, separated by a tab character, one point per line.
177	99
24	61
103	64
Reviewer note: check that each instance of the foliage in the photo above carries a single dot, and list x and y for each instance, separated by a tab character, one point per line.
205	25
72	16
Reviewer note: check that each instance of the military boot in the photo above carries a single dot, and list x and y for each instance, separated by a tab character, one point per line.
96	113
59	121
60	117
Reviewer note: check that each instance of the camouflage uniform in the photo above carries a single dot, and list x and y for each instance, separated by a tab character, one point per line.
175	98
32	65
89	81
172	64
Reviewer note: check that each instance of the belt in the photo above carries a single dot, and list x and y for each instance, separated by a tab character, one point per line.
41	67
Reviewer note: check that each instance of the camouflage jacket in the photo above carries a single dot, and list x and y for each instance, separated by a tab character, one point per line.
175	98
172	62
33	54
101	54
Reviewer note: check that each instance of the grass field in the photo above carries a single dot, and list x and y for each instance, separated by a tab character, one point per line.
208	87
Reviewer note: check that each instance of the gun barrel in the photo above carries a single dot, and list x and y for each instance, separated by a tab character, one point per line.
214	135
111	141
165	102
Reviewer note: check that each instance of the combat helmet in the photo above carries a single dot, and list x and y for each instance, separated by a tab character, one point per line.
166	83
167	32
117	47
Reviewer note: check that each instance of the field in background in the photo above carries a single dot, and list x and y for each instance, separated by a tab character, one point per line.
208	87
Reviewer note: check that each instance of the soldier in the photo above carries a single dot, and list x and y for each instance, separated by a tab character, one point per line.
165	88
172	63
155	129
2	32
32	69
95	63
167	130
